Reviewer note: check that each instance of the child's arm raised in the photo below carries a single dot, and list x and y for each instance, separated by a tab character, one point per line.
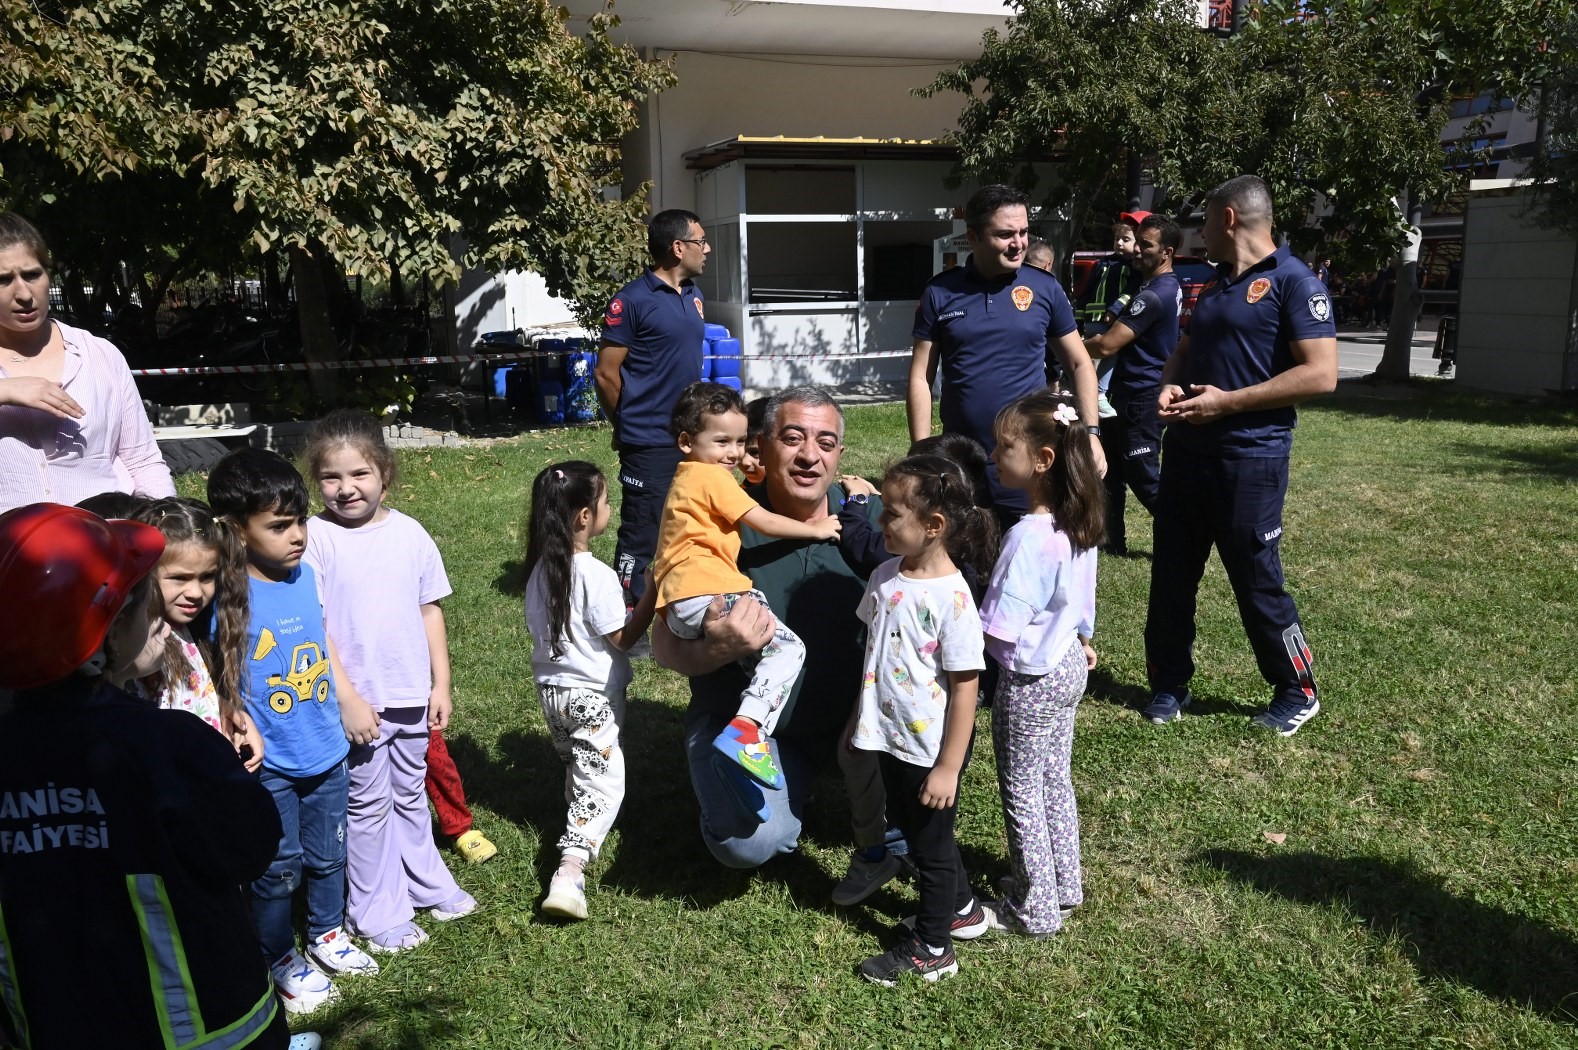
357	716
440	705
767	523
941	787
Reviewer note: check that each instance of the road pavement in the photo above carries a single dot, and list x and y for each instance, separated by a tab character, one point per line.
1359	351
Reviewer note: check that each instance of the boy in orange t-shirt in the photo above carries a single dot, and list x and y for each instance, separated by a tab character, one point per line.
698	560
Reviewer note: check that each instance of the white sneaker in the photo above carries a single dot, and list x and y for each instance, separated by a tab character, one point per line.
335	953
302	986
566	896
306	1041
402	938
458	906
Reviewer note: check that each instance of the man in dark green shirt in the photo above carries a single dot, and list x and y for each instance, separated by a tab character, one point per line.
817	593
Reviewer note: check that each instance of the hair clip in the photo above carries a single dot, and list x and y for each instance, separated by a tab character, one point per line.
559	474
1065	414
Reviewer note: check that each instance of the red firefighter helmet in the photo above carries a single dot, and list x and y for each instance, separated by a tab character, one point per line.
64	576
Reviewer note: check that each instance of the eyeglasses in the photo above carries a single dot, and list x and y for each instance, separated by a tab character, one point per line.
692	240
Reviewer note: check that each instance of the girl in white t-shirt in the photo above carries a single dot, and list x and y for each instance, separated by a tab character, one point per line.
381	578
1038	615
918	696
580	629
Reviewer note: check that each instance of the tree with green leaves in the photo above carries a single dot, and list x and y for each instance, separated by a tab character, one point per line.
1336	105
356	134
1554	168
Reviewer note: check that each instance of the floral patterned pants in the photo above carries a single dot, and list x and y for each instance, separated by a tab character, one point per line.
1033	739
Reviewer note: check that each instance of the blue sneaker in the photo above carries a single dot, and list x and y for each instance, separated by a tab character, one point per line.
742	744
1286	716
1164	707
742	790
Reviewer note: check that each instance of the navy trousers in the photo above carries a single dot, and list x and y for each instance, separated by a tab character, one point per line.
1235	505
1132	440
645	475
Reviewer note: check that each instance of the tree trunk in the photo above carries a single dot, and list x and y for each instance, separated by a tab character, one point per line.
1406	305
317	332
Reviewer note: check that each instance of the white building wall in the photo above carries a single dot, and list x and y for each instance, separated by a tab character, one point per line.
719	97
1519	300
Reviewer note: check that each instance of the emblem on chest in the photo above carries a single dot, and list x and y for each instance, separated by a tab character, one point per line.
1023	297
1257	289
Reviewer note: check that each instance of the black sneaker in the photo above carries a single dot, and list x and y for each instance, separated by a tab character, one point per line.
966	927
910	956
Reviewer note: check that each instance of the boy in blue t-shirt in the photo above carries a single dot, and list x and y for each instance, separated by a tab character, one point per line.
290	693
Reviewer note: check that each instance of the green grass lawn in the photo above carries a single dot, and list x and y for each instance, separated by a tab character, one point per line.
1403	873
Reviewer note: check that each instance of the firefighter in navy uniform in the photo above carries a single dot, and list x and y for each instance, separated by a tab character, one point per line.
126	832
1260	341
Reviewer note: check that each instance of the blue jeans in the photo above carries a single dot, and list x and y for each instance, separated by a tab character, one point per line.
736	841
312	811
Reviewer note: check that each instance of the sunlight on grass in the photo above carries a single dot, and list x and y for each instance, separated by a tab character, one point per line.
1422	895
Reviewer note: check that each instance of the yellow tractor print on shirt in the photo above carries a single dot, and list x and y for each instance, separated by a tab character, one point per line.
308	679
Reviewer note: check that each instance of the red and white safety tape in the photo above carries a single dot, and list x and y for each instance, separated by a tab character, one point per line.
366	362
486	359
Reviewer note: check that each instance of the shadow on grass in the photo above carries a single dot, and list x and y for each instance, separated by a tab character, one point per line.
661	854
1504	955
511	580
1527	460
1432	399
1100	685
408	1024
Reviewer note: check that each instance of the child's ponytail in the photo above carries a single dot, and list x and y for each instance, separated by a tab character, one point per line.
558	494
1072	487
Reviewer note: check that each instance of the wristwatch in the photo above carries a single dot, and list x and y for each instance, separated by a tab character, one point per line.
860	499
1094	428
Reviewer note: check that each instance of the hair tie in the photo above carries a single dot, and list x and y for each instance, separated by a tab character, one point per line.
1065	414
558	474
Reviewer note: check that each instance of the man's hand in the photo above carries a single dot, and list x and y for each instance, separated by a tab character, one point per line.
1203	404
1171	394
725	638
856	485
1098	453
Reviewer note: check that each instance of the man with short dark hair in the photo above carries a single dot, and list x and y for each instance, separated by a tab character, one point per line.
816	592
651	350
1261	340
988	325
1142	339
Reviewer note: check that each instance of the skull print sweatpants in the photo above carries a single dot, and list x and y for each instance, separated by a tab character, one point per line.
585	725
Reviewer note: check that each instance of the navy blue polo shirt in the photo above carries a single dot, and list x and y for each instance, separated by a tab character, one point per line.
662	330
1238	337
991	337
1153	317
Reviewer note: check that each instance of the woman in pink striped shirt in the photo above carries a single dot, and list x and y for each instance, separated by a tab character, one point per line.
71	422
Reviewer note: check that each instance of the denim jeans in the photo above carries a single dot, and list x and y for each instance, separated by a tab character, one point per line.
311	849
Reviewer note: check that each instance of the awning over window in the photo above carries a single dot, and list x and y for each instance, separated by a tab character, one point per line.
783	147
